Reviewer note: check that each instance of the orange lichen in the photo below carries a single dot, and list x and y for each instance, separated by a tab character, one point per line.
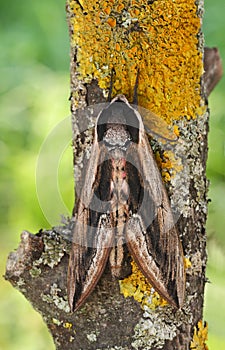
107	10
168	164
137	286
111	21
200	337
117	47
176	130
164	35
159	39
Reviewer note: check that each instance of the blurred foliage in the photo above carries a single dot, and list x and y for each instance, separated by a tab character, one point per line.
214	27
34	92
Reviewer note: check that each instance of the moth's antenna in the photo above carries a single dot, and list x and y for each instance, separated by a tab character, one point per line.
135	98
111	85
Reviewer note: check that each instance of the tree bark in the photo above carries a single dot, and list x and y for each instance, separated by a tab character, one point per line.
165	45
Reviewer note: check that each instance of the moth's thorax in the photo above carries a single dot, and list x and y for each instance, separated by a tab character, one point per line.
116	135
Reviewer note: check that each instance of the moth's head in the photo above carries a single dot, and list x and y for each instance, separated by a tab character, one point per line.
119	112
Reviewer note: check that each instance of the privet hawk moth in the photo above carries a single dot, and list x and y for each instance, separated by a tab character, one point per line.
124	208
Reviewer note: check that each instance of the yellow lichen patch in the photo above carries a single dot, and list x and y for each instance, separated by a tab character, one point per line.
200	337
137	286
56	321
159	39
168	164
176	130
67	325
187	263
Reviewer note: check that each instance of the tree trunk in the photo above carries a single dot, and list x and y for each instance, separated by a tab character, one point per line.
163	41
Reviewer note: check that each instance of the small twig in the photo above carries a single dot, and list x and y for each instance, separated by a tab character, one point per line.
213	69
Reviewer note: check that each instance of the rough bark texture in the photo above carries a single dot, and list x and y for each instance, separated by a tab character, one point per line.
108	320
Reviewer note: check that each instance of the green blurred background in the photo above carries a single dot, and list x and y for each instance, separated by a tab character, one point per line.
34	84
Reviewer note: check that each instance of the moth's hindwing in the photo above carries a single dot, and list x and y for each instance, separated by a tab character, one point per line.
123	200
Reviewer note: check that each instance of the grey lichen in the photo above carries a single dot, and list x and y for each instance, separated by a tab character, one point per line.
92	337
21	285
71	339
196	264
54	298
35	271
155	327
55	247
114	348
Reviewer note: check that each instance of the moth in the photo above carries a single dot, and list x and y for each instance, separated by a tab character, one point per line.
124	209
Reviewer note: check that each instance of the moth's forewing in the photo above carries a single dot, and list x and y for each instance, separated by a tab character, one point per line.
93	231
151	234
86	266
